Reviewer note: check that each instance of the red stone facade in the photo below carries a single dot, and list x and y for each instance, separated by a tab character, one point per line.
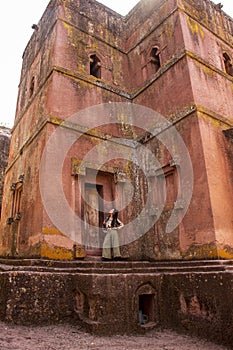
5	135
171	56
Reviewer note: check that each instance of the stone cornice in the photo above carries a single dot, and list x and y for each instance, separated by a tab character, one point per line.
173	119
124	94
188	13
119	48
132	95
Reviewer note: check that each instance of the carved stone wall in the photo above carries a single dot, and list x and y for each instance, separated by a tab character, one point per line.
118	298
4	153
167	55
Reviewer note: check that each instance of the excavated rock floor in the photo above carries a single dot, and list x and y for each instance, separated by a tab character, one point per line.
67	337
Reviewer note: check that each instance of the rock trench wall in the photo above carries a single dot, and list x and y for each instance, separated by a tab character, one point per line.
110	303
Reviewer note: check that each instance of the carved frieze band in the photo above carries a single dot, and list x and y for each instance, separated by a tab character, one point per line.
164	170
79	167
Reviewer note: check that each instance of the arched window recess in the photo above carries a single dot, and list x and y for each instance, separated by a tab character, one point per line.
228	64
32	87
95	66
155	58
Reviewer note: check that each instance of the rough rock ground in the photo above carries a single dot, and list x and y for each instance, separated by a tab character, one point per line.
66	337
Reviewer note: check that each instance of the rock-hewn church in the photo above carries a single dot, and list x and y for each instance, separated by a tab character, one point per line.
95	78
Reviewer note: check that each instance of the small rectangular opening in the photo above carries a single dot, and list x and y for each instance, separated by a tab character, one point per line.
146	308
95	66
93	218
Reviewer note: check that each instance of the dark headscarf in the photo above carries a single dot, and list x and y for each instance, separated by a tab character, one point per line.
115	222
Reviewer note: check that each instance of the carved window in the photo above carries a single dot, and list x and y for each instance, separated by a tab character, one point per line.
32	87
95	66
16	188
16	200
168	187
155	59
228	64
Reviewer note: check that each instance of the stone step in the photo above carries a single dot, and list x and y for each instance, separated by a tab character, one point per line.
113	267
97	262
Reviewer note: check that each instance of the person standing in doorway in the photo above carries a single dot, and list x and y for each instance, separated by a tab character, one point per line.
111	241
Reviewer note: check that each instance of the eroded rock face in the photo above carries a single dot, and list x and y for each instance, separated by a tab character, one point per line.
109	298
4	147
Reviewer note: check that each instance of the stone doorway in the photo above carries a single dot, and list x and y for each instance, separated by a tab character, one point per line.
93	219
146	308
146	305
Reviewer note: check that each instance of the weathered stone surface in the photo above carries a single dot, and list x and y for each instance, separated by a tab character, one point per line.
192	297
175	279
185	88
5	135
169	56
